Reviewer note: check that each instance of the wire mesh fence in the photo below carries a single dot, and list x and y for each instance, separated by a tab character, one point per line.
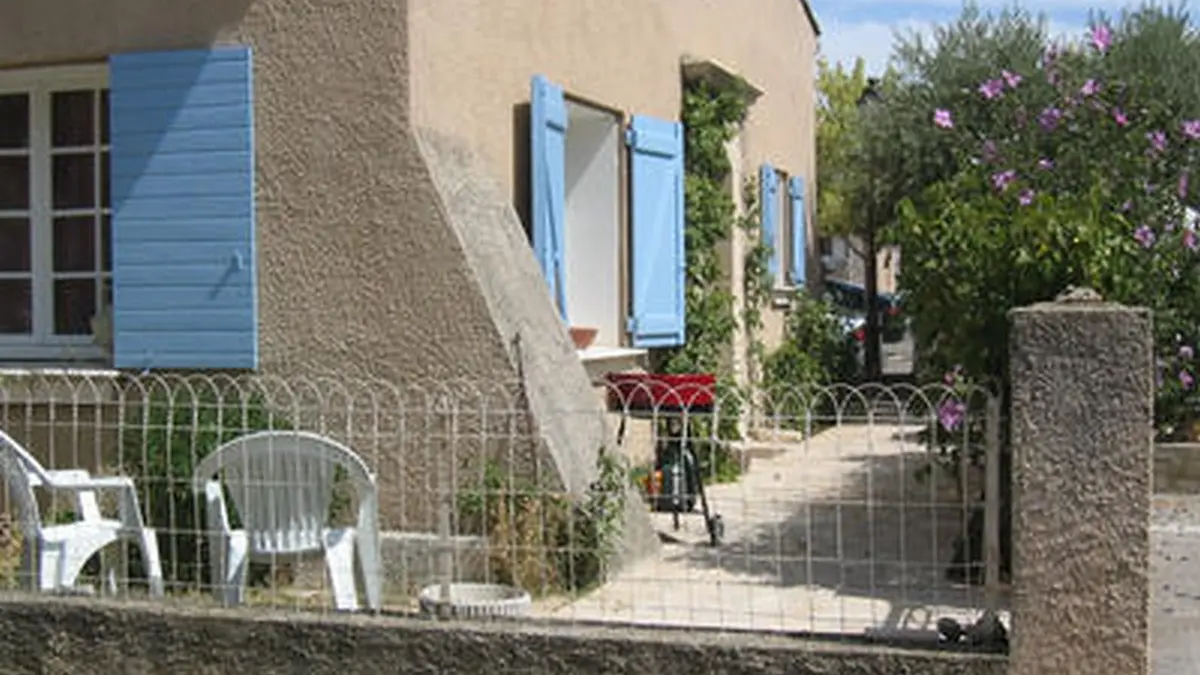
830	510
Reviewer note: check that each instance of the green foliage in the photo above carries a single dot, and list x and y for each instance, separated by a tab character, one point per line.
163	441
545	541
1073	169
814	353
816	350
838	115
756	283
711	118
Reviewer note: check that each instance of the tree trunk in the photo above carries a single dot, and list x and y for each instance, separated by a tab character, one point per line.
873	360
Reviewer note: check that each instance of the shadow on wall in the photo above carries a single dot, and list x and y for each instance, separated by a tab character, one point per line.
521	165
86	29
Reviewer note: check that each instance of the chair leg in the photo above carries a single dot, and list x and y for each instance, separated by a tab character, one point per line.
372	570
339	558
230	564
30	575
147	542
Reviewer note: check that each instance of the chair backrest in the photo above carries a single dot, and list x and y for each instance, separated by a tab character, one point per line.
281	484
17	465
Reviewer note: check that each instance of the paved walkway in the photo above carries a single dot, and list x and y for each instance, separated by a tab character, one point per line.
830	536
1175	590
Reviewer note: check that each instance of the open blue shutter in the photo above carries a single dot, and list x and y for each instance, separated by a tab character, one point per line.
184	279
799	224
769	196
656	196
548	146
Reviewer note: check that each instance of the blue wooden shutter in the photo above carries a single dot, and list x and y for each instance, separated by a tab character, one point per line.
184	268
798	271
769	196
656	196
548	146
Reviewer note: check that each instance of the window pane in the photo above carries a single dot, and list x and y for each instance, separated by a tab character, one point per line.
14	121
15	315
104	117
74	306
73	120
74	181
106	243
105	178
14	183
14	245
75	244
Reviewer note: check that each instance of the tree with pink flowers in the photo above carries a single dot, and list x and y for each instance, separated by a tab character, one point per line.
1025	165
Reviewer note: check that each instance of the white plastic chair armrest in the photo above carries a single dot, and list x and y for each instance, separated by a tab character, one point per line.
78	479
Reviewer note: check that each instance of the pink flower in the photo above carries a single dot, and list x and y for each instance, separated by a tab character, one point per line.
1011	79
1050	118
1026	197
943	119
1186	380
1045	164
1186	353
1191	129
1120	117
951	414
1182	188
1101	38
1190	240
1090	88
991	89
1145	236
1158	140
1127	206
1002	179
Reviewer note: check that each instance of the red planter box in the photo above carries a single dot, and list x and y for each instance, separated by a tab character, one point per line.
652	391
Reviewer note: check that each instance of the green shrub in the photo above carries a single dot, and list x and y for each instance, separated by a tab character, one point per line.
815	353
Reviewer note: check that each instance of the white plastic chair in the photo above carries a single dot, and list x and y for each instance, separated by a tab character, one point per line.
281	484
53	555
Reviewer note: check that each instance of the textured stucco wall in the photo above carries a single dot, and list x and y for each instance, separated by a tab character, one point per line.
472	60
360	273
82	638
1082	424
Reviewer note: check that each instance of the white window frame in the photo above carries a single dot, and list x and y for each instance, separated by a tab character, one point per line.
42	345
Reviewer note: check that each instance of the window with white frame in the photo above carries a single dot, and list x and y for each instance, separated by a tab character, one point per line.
55	217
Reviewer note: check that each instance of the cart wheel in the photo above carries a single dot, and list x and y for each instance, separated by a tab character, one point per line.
716	529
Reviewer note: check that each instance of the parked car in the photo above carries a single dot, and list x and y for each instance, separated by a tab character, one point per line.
852	299
854	328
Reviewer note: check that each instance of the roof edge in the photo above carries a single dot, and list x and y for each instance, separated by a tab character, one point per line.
812	17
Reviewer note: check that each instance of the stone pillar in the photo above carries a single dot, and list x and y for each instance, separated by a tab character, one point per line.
1082	419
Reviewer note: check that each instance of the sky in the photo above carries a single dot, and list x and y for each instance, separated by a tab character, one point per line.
853	28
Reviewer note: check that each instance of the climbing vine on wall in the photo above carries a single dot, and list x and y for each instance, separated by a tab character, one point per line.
757	279
711	118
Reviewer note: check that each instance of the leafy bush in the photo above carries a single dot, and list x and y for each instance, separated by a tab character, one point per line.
1063	164
816	352
546	541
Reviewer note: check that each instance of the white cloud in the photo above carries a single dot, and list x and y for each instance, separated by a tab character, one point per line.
873	41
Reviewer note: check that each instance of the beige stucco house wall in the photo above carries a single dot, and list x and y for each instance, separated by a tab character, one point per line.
388	156
624	56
